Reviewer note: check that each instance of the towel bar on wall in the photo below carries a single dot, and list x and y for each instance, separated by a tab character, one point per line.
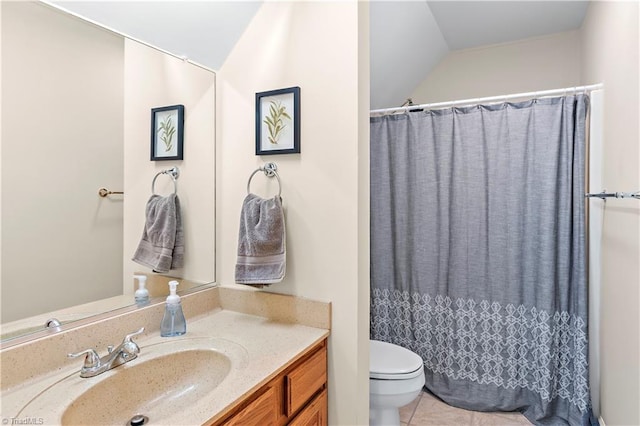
104	192
270	170
604	195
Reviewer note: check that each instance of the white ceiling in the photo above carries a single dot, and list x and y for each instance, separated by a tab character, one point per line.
408	38
203	31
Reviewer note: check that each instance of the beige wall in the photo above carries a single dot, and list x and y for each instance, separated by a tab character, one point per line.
610	55
62	107
154	79
540	63
290	44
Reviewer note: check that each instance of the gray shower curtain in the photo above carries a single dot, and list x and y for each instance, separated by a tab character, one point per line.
478	253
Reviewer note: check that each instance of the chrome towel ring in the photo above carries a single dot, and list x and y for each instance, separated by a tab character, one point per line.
270	170
173	172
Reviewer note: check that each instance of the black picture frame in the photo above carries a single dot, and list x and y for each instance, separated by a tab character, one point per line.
278	121
165	146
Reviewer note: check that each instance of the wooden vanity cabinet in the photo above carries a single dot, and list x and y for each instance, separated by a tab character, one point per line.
260	411
297	396
314	414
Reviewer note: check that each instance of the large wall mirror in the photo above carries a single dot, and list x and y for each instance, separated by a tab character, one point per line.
76	117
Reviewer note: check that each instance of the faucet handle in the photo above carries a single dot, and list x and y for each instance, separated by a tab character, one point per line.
128	337
129	347
91	358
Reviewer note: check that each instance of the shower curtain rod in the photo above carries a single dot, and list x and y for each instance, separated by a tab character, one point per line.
490	99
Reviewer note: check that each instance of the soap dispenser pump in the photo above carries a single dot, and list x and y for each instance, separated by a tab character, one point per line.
141	294
173	322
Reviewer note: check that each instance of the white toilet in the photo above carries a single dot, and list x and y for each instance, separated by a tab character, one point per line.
396	377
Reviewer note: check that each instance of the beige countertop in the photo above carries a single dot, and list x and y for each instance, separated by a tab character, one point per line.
259	348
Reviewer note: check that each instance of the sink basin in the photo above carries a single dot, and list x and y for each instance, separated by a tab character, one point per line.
164	381
153	388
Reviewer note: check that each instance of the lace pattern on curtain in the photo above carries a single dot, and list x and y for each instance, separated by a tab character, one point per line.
509	346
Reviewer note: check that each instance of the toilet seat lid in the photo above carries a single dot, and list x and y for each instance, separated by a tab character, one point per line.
389	361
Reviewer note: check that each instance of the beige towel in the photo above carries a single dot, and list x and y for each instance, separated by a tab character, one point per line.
162	245
261	241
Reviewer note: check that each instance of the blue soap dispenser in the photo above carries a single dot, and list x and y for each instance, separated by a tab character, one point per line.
173	322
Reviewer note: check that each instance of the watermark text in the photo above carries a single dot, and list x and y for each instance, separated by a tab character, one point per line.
22	421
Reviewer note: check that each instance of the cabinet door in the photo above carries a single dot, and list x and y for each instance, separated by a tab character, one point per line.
260	412
305	380
314	414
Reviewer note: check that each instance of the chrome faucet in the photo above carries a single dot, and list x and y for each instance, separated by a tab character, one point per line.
94	365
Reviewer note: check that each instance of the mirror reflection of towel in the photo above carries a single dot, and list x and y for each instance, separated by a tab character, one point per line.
261	241
162	245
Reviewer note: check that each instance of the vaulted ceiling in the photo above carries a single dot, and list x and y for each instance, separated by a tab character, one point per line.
408	38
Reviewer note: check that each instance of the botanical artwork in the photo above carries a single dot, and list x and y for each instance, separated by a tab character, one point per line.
166	132
274	120
278	121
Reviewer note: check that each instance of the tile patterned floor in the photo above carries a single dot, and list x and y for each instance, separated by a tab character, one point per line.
426	410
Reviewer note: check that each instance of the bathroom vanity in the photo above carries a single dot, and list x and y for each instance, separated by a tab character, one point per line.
296	396
250	358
